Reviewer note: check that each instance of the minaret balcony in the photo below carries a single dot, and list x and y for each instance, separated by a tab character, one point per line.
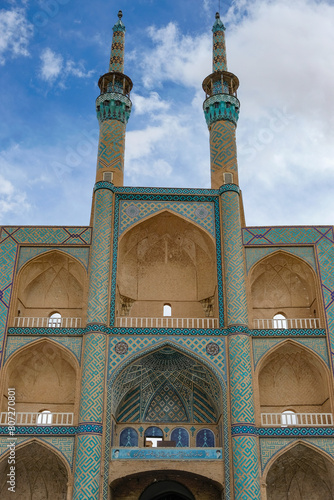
113	106
221	107
166	322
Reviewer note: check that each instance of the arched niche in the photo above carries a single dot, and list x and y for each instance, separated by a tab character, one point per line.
45	377
53	282
39	473
166	260
292	377
283	284
301	473
165	387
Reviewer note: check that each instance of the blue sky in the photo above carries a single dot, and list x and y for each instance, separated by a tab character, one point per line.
52	53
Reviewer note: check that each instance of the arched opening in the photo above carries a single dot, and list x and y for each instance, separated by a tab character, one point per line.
45	379
301	473
167	490
168	484
284	284
166	387
293	379
39	474
51	292
166	264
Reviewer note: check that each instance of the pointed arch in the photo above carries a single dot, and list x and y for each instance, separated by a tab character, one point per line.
300	470
45	375
293	376
53	281
40	469
130	372
284	283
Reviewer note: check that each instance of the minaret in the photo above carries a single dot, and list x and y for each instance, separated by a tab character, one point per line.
113	107
221	109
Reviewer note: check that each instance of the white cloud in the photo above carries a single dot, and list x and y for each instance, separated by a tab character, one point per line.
178	58
54	67
149	104
15	33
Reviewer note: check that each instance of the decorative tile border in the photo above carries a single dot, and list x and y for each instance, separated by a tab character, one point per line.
293	332
54	332
167	454
295	431
36	430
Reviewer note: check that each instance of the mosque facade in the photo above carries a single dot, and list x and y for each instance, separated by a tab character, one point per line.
167	351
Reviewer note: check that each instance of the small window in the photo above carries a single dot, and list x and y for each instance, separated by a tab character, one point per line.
167	310
55	320
288	418
152	436
44	418
280	321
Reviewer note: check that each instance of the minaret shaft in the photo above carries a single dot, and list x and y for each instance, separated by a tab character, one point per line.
113	108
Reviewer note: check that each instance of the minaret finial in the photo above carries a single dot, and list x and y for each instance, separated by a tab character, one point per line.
117	48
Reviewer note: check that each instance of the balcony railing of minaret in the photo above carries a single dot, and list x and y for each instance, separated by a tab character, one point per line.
114	99
221	97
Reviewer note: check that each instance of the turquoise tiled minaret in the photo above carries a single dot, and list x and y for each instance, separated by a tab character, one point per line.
221	109
113	108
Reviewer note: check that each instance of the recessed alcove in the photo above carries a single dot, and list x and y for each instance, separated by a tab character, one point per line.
166	260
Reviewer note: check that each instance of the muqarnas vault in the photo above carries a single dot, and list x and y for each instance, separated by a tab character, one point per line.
167	351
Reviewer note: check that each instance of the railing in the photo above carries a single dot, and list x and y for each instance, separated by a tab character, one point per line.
166	322
296	419
37	418
25	322
269	324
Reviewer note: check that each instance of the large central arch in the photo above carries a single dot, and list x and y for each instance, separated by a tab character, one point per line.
167	490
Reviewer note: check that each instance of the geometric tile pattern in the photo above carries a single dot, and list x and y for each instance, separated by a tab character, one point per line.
91	407
295	431
233	260
219	50
15	343
269	447
87	467
167	406
47	430
200	213
193	344
318	345
223	151
242	405
111	145
172	388
246	469
255	254
27	253
8	256
322	238
100	256
289	332
117	48
55	332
